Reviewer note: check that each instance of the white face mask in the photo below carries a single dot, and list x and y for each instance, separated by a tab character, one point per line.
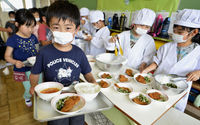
178	38
12	19
62	37
37	19
141	31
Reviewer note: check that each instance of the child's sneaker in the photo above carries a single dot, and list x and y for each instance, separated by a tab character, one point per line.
28	102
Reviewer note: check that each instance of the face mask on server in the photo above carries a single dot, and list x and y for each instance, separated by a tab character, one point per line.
178	38
62	37
141	31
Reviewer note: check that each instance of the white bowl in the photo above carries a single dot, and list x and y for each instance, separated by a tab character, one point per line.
163	78
46	85
110	62
165	97
117	78
75	109
144	75
90	58
31	60
132	95
88	91
123	85
181	86
109	83
101	73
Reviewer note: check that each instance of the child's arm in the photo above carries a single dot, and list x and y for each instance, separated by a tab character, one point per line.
152	67
89	77
34	78
9	58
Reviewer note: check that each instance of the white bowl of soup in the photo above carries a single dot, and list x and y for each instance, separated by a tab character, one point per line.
48	90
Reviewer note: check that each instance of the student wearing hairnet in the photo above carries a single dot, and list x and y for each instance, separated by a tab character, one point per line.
181	57
138	47
99	40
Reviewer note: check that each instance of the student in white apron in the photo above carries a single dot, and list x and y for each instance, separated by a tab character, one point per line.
181	57
86	29
138	47
99	40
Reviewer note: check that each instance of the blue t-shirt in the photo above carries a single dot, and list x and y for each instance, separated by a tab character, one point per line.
22	49
59	66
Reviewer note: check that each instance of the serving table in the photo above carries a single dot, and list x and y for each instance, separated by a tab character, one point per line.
144	115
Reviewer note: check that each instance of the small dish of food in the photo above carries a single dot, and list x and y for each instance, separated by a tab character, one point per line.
139	98
104	83
144	79
157	95
122	78
48	90
123	88
130	72
105	75
68	103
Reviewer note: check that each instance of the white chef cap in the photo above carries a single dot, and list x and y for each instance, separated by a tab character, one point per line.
188	18
95	16
84	11
144	17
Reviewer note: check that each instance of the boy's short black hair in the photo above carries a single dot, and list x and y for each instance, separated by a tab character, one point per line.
36	10
23	16
64	10
11	12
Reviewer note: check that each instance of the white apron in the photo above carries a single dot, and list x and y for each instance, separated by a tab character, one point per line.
100	42
142	51
166	60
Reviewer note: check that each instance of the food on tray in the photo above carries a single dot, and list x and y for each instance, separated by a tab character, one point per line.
141	99
142	79
129	72
156	96
49	90
122	89
66	104
171	85
106	76
103	84
122	78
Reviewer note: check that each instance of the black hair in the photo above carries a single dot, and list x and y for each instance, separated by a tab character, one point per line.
36	10
64	10
43	12
23	16
196	38
11	12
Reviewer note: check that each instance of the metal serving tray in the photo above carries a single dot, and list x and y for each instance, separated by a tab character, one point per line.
44	112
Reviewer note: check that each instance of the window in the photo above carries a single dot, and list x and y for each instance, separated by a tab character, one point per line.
10	5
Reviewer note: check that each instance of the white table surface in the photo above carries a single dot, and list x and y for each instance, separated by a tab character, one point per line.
144	115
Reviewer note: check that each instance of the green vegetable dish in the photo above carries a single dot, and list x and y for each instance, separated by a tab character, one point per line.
147	79
123	90
143	98
171	85
60	103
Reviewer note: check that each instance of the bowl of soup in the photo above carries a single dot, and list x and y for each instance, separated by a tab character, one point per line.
48	90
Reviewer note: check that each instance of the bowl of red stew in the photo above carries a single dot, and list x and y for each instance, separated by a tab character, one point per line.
48	90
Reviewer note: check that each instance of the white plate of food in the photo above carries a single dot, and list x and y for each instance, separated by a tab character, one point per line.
139	98
143	79
123	88
130	72
68	103
157	95
104	83
105	75
122	78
